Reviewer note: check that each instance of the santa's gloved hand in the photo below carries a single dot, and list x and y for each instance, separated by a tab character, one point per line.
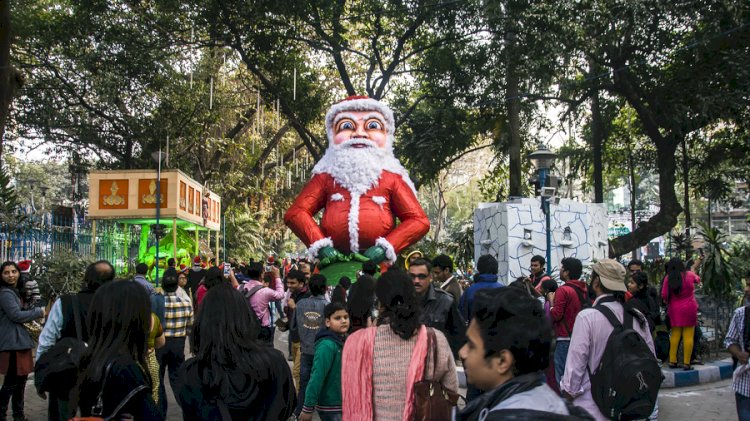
376	254
328	255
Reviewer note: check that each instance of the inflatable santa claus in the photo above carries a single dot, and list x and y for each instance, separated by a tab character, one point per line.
361	188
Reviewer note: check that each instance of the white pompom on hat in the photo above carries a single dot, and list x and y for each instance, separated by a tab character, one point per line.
361	103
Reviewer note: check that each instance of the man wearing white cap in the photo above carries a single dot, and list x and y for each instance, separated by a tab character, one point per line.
361	187
592	331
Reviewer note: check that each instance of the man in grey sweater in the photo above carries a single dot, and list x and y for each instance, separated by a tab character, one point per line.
308	319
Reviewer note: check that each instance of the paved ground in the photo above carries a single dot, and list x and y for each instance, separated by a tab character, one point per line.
705	402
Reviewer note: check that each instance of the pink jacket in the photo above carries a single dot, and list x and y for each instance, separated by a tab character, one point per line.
682	308
260	300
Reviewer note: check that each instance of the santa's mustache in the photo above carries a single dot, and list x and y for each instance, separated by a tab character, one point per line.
357	141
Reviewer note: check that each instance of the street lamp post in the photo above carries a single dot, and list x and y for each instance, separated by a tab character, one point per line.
542	159
158	157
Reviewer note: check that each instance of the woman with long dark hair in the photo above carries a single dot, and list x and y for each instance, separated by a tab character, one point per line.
638	295
233	376
113	370
388	359
361	303
678	291
15	346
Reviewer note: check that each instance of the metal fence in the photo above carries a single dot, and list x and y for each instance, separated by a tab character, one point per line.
27	235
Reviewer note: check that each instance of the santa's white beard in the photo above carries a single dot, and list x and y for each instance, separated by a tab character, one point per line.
358	169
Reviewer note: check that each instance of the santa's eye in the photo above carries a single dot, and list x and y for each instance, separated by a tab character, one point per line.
374	125
346	125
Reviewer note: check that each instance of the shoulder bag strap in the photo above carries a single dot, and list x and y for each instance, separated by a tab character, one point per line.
609	315
124	402
99	407
77	316
431	348
250	292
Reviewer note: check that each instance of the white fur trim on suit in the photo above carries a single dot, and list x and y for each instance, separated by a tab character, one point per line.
337	197
354	223
379	200
362	104
390	252
315	247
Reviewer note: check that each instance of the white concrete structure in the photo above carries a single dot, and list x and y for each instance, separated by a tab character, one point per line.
515	231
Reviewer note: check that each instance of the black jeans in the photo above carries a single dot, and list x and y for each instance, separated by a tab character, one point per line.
306	363
266	335
58	407
13	389
170	356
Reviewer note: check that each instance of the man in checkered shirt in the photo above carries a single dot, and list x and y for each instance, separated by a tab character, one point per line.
736	342
178	317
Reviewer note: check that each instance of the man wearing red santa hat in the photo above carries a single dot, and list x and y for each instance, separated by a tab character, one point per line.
361	188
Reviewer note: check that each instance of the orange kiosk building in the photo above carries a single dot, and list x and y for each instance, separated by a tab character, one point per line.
187	210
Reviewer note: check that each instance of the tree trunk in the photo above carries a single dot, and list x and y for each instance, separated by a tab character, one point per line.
669	210
514	113
686	199
7	72
597	141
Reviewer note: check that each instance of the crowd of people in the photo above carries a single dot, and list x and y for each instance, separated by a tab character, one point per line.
358	348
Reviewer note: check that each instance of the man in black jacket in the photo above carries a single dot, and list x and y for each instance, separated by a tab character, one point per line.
61	324
438	308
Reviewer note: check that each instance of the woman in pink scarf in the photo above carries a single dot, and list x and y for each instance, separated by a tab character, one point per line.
382	363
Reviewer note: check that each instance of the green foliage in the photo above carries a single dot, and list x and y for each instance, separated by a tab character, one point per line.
655	270
461	246
243	231
680	243
720	279
8	197
59	273
739	257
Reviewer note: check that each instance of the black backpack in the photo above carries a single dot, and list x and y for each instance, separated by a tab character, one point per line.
626	382
56	370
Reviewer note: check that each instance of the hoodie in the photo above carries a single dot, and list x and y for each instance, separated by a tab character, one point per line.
324	388
567	306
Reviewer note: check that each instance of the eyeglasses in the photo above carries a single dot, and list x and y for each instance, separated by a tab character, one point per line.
418	275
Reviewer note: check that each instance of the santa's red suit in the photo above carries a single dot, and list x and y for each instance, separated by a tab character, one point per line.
353	222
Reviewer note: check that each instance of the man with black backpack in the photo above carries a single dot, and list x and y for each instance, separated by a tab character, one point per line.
66	323
611	370
259	297
566	302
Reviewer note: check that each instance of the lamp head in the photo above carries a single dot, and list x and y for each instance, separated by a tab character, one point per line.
542	158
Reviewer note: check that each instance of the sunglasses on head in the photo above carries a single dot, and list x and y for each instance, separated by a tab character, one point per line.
418	275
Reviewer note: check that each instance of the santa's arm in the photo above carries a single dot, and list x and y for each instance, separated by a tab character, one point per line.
414	223
299	216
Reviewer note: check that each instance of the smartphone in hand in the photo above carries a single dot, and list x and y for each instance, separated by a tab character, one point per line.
227	269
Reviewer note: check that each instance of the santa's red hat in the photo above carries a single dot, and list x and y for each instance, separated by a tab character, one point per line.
24	266
197	260
182	267
361	103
